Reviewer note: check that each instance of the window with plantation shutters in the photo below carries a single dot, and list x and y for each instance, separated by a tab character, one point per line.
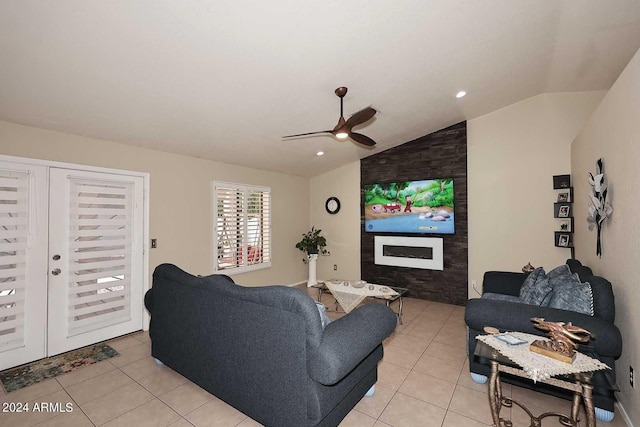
242	227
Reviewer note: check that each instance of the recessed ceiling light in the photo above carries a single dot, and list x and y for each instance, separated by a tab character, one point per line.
461	94
320	153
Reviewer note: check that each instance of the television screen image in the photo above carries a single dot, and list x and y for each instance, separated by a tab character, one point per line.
424	206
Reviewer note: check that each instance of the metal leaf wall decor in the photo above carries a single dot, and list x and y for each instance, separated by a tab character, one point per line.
599	208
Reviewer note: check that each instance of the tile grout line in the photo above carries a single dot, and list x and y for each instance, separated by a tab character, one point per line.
412	368
77	405
158	397
397	391
155	397
118	368
394	391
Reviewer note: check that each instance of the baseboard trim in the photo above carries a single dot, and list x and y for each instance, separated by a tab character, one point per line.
624	414
304	282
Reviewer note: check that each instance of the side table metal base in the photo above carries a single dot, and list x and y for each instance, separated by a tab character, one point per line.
582	391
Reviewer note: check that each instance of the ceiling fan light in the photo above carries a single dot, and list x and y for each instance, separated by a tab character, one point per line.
343	131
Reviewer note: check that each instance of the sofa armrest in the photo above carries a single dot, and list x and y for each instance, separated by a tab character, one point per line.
512	316
503	282
348	340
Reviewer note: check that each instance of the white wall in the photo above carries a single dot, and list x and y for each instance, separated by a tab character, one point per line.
341	230
512	155
180	200
613	134
510	188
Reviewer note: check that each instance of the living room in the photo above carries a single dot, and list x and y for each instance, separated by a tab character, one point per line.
512	154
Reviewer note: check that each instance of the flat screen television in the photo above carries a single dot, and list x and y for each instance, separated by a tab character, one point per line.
424	206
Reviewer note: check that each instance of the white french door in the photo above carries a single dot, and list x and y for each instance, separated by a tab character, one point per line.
71	259
95	257
23	261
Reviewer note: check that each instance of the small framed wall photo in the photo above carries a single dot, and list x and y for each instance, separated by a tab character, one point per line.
563	240
563	197
561	181
562	210
566	226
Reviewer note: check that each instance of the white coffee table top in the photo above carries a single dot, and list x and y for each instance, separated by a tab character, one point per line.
350	293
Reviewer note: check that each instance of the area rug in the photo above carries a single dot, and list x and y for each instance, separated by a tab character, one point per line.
16	378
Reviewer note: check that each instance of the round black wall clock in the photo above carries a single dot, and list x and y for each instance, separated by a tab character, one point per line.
332	205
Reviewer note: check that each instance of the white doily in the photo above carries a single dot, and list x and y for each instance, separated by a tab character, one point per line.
538	366
349	296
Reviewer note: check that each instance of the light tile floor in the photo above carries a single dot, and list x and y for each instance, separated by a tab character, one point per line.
423	381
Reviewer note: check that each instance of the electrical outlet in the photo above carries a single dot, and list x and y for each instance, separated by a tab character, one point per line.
335	267
154	243
631	376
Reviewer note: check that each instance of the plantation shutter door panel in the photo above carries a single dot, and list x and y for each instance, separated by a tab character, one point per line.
23	257
95	285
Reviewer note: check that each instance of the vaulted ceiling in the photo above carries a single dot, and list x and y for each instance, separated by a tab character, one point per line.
226	79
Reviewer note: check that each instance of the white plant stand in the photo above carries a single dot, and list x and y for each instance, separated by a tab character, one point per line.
312	258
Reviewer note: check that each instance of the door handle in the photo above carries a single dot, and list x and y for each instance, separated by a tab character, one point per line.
56	271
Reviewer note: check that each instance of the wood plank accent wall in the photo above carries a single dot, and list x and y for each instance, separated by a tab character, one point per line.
442	154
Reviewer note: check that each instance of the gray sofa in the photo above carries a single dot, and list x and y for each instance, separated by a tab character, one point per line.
509	314
263	349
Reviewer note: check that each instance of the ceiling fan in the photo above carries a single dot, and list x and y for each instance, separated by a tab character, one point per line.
343	129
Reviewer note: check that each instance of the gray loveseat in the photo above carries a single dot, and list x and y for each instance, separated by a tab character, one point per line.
508	314
262	349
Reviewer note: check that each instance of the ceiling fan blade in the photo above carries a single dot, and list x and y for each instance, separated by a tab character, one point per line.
341	123
308	133
361	116
343	128
362	139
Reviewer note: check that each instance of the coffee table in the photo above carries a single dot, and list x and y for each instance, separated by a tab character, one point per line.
401	292
580	383
391	299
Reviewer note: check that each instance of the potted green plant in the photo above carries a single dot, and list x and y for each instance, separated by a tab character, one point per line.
312	244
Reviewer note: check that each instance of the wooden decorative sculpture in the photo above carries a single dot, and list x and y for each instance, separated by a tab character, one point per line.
528	268
564	338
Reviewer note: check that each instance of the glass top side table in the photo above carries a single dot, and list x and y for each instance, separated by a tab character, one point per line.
579	383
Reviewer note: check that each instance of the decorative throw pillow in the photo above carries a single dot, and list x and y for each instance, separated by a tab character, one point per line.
571	294
533	277
558	273
536	288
